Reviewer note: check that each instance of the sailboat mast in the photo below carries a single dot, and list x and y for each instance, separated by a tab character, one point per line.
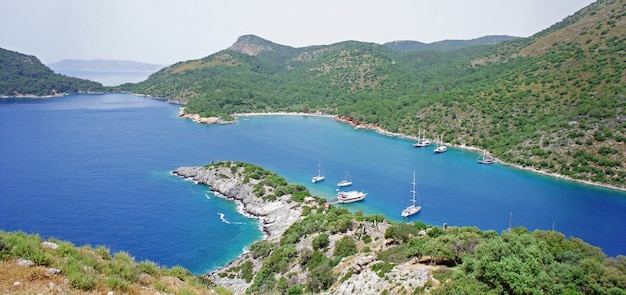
413	190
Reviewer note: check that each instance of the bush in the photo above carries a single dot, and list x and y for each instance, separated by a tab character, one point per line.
27	247
149	267
382	268
402	232
115	282
346	246
261	248
321	278
320	241
179	272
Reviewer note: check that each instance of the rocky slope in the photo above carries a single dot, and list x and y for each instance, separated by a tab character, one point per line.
277	216
274	217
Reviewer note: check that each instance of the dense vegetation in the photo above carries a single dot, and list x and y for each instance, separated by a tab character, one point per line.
552	102
23	75
60	268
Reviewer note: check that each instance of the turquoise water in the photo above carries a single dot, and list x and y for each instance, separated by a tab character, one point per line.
95	169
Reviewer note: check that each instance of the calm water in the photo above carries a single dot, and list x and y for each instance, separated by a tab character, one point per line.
95	169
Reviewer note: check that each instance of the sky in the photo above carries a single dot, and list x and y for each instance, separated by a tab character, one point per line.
166	31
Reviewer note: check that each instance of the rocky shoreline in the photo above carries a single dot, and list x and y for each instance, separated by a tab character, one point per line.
274	217
204	120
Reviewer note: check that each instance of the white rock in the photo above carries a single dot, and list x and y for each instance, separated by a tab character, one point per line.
49	245
25	262
54	271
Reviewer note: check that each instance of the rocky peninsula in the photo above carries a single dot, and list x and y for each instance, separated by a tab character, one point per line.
274	217
234	181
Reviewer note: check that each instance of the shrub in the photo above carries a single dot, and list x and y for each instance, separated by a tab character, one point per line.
103	252
346	246
321	278
79	275
296	290
382	268
320	241
148	267
261	248
27	247
178	271
115	282
402	231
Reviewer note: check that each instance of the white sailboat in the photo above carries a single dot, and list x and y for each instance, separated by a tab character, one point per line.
484	158
347	181
320	174
411	210
421	142
440	147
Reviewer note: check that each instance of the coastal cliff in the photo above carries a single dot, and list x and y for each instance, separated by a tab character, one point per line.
274	216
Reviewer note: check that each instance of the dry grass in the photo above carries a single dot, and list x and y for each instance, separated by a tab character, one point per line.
16	279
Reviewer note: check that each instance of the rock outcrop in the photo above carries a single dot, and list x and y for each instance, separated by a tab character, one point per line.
275	217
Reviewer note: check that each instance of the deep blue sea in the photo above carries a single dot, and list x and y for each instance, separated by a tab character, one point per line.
95	169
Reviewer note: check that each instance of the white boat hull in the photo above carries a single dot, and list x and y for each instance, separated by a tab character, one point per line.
317	179
350	197
344	183
411	210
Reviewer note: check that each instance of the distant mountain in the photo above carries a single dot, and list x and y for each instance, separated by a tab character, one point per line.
107	72
446	45
103	65
553	102
25	75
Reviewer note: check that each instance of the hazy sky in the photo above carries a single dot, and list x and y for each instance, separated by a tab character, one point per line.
168	31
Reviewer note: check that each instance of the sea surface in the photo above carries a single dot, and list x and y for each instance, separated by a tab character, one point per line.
95	169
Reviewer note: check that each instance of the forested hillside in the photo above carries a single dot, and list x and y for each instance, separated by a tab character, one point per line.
446	45
24	75
553	102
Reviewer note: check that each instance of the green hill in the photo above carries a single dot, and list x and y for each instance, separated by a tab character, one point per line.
446	45
25	75
553	102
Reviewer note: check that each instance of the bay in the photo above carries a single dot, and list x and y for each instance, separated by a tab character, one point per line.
95	169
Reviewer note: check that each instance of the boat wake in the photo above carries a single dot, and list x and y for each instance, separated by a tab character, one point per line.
207	195
224	220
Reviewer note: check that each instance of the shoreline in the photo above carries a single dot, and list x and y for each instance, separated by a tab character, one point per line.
273	217
380	130
269	215
318	114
